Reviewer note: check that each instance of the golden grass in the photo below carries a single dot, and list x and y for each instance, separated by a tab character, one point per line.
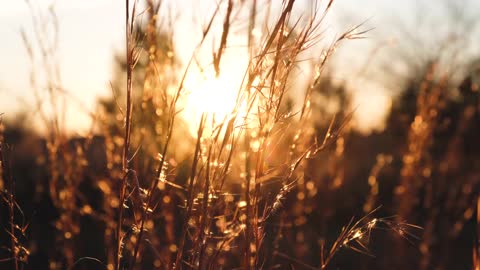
240	170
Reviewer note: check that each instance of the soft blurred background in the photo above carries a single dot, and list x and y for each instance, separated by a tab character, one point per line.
411	147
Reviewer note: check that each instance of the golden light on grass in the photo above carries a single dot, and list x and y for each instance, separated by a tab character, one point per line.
257	180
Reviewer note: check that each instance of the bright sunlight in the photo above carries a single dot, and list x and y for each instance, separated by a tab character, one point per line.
211	94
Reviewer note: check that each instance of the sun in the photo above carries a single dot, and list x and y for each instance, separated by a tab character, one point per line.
213	95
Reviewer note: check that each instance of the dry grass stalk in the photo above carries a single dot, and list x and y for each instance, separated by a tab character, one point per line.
7	180
131	57
382	162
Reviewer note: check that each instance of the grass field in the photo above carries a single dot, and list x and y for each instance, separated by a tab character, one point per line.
244	156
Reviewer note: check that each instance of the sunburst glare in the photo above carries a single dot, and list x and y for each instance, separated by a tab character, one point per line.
214	95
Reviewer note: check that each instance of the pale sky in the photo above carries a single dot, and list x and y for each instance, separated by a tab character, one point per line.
92	31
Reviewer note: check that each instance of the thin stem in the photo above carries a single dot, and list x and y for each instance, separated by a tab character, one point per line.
6	176
248	228
129	55
196	158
